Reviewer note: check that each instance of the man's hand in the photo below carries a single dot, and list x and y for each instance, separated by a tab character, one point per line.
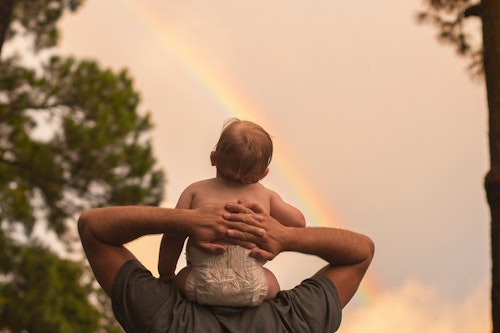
271	242
208	235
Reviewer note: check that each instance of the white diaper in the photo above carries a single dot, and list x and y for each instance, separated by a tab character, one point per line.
229	279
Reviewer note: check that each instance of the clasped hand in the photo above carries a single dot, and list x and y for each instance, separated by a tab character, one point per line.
243	224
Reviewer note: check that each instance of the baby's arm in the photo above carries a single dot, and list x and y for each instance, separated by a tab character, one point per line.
285	213
171	247
170	250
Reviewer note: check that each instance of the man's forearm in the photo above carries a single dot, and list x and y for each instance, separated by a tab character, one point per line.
103	232
122	224
348	254
336	246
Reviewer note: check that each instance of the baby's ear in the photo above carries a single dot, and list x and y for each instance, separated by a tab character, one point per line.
265	173
213	158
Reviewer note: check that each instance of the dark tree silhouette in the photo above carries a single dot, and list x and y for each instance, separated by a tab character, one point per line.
450	16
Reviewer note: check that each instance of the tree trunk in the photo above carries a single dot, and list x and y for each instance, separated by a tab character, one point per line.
6	7
490	14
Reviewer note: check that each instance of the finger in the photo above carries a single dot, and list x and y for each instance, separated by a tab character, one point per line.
259	253
246	219
212	248
254	207
237	208
245	232
246	244
236	237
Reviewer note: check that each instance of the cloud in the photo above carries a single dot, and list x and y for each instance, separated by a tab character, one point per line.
417	308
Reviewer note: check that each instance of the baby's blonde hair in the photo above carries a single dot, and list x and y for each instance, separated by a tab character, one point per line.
243	152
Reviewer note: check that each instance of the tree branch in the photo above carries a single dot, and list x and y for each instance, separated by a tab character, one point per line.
474	10
6	7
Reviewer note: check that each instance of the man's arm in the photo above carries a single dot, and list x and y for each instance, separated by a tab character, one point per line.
103	231
348	253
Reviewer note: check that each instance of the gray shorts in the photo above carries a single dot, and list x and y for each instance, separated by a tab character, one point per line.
142	303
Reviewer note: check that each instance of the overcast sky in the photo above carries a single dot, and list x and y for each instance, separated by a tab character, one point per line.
377	128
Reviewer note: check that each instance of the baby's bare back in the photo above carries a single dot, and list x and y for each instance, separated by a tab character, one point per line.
219	191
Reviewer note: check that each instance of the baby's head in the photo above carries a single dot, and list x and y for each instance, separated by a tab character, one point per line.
243	152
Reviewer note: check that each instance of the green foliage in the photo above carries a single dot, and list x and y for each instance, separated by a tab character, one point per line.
38	279
97	153
71	138
38	19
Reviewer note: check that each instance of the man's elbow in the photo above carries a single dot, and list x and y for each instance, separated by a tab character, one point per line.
85	224
369	250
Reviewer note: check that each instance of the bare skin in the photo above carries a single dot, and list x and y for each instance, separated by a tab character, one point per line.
104	232
348	254
216	191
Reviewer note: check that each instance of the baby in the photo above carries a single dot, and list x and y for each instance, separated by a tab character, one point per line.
241	157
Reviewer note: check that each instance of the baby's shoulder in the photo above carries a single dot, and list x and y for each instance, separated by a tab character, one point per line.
202	182
199	185
262	190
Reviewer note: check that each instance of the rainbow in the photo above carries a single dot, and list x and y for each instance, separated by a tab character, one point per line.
235	104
